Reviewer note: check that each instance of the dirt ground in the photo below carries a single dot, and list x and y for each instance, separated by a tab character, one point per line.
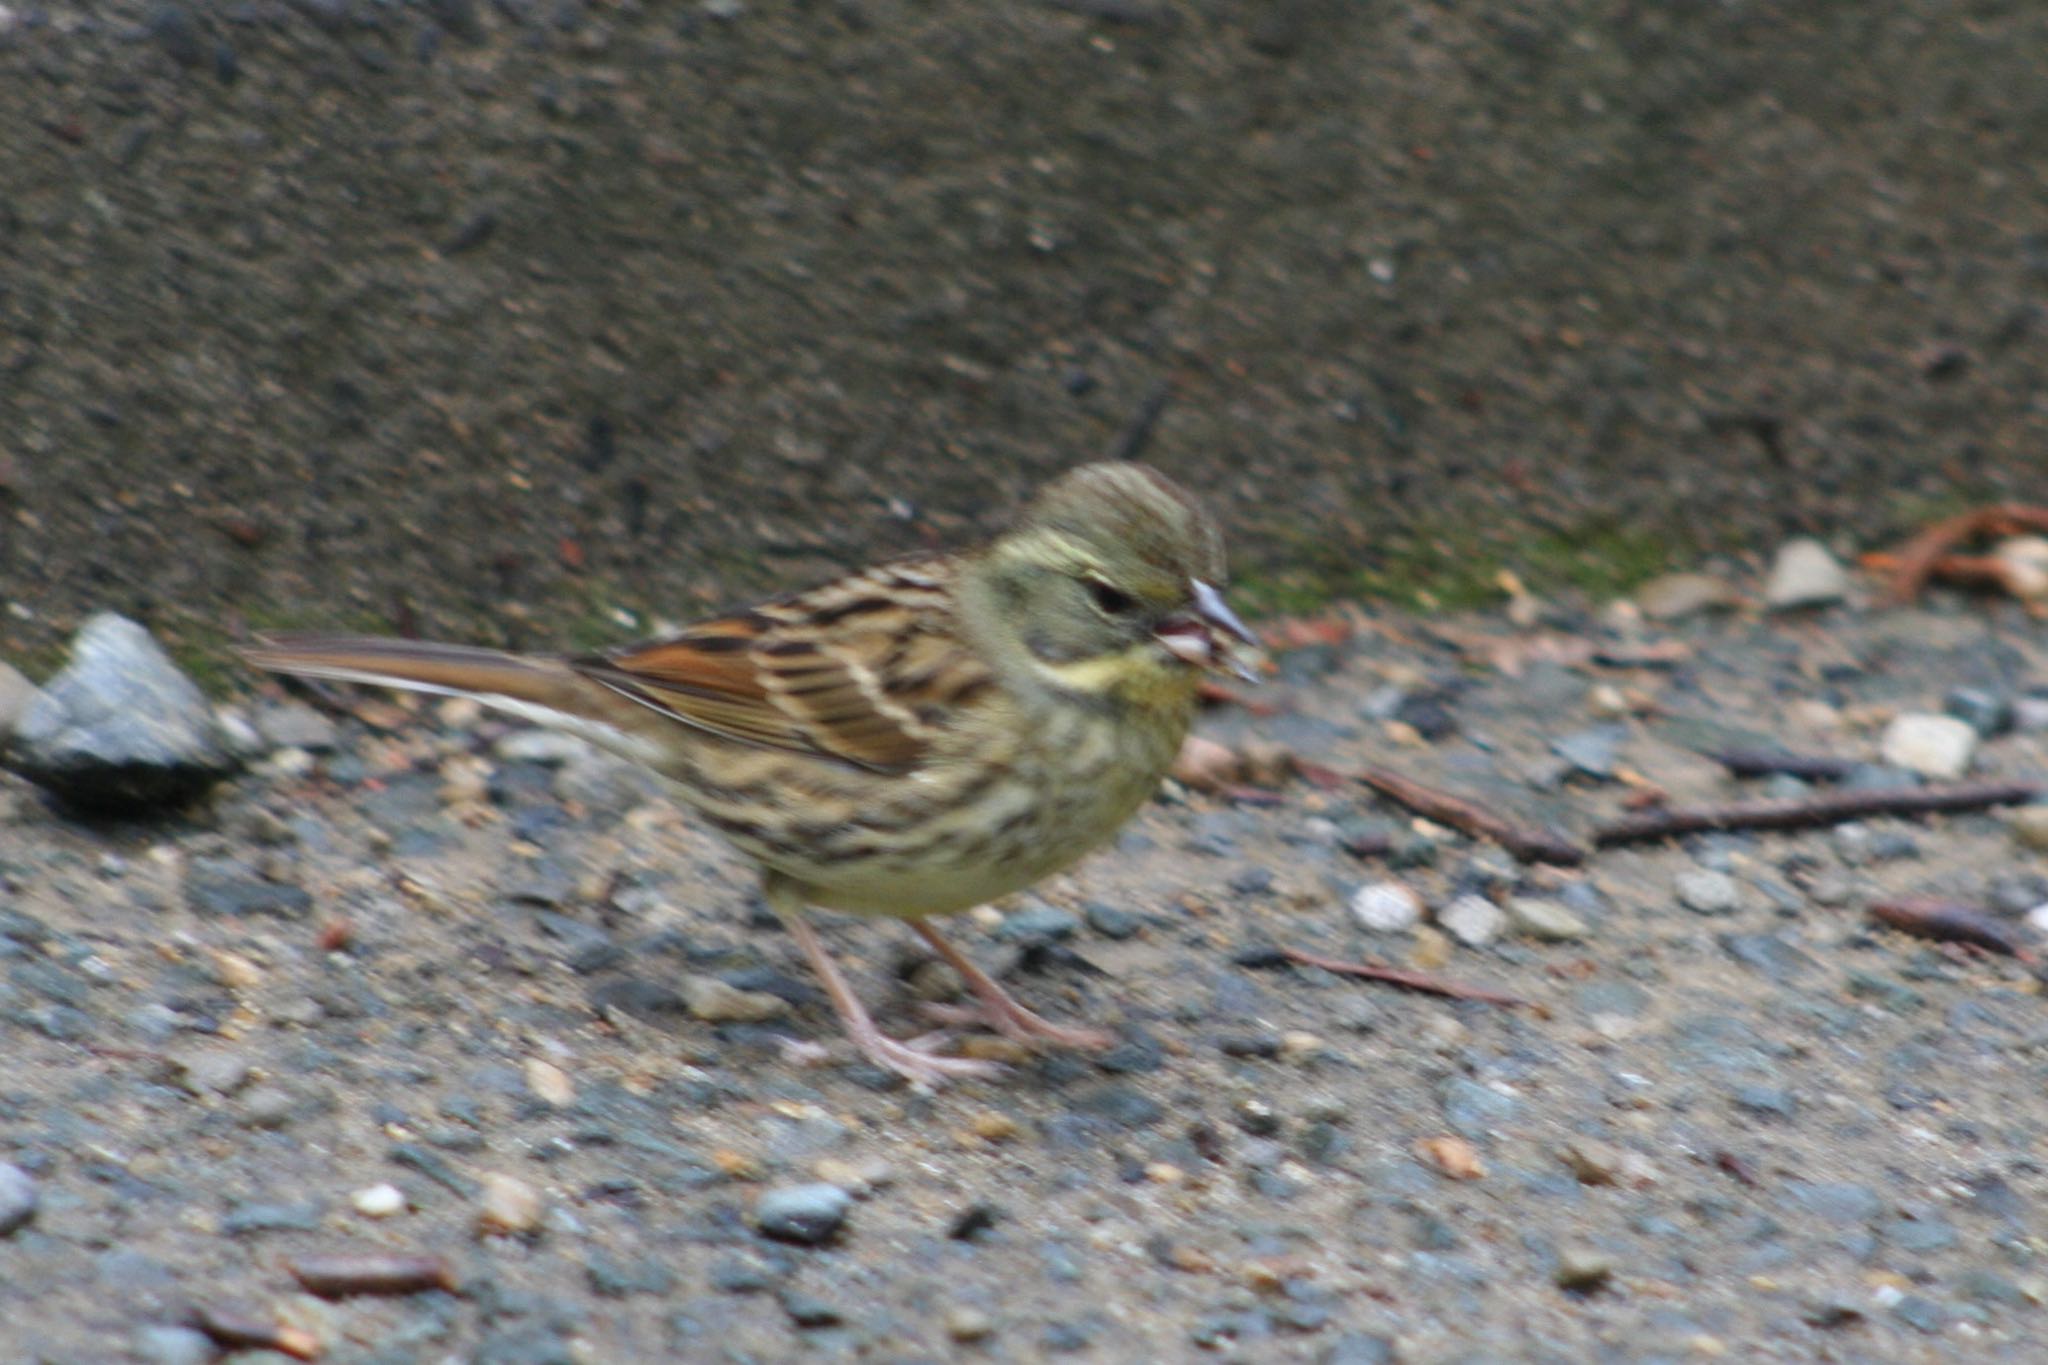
513	319
1736	1118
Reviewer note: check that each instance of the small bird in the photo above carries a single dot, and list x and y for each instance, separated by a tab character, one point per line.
910	740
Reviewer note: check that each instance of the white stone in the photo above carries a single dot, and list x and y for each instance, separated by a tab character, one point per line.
2029	826
16	695
1930	745
1706	892
1386	908
378	1201
1473	920
2025	561
715	1002
509	1205
1805	575
1674	596
1545	920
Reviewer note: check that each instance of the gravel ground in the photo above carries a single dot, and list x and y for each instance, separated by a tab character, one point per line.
412	949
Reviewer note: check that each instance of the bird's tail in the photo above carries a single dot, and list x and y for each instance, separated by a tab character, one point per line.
538	688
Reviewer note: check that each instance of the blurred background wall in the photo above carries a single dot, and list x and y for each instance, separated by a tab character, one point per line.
540	320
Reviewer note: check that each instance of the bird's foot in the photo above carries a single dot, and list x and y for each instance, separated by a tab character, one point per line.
1021	1025
916	1061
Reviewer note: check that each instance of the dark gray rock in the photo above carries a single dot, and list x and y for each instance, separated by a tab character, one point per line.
1985	712
1038	923
226	887
120	729
253	1218
1768	955
1474	1110
805	1214
1593	750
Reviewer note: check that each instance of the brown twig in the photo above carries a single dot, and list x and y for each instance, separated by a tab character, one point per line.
1528	843
1735	1166
1915	561
1949	922
342	1274
1395	976
1806	812
235	1331
1776	762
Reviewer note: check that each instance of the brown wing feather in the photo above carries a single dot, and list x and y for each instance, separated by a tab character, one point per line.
862	670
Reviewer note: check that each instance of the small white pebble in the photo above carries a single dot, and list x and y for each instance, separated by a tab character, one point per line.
509	1205
968	1324
1386	907
549	1082
1298	1045
1930	745
1545	920
378	1201
1473	920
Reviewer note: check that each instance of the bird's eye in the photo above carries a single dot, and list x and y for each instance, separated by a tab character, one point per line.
1110	598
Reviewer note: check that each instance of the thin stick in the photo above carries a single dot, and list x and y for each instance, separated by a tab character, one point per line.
1949	922
1414	981
1527	843
1805	812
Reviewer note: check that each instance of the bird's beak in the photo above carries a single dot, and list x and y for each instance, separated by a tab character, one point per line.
1193	636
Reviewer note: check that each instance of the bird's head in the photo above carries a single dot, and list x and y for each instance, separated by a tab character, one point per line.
1111	582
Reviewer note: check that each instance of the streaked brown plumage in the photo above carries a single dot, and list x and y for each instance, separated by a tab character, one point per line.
910	740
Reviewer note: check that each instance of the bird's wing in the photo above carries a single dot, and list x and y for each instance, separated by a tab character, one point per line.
864	670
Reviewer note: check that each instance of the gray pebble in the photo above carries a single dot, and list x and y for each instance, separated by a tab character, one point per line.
1592	751
172	1346
1708	893
1765	1101
1835	1201
613	1278
1359	1348
18	1199
1985	712
295	725
1921	1313
1110	922
120	728
1473	920
1474	1110
252	1218
1038	923
1544	920
805	1214
218	1073
1919	1234
221	886
268	1106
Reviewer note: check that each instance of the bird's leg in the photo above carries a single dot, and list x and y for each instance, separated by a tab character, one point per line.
907	1060
1000	1010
